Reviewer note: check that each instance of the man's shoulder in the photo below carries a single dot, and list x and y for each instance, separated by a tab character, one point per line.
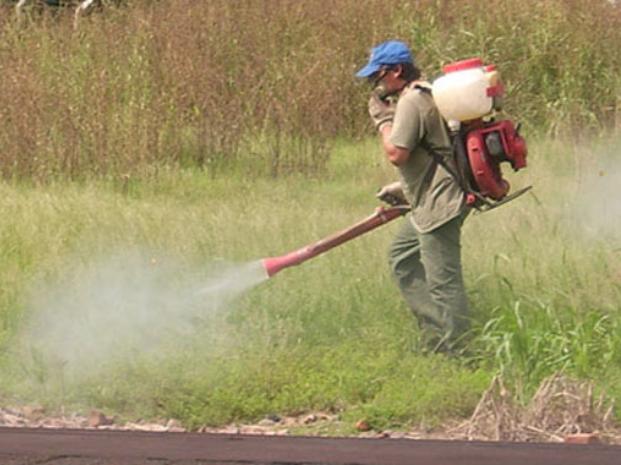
418	93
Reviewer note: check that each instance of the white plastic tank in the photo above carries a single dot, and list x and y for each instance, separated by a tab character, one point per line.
468	90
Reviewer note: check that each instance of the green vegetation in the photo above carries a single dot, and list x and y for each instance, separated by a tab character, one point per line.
194	131
333	333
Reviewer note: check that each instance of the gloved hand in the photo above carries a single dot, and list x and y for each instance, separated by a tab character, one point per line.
392	194
382	111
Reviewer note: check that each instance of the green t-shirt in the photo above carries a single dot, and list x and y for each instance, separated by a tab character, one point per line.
435	196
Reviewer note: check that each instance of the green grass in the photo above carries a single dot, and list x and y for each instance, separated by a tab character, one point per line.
332	334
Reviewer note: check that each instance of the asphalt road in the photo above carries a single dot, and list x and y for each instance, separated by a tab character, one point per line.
91	447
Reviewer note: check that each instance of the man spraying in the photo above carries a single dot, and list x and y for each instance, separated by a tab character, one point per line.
425	256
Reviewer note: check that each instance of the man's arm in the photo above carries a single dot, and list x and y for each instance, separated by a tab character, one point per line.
382	114
396	155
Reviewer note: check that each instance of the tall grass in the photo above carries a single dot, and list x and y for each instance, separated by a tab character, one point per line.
548	295
268	85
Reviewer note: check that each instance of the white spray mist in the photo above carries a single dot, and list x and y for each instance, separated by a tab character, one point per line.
126	304
596	205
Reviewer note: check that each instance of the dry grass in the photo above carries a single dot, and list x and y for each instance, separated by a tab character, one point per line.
267	85
561	406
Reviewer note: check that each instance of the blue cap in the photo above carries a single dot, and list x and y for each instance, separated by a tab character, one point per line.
392	52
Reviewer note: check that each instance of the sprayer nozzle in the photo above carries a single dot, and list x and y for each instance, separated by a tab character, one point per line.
273	265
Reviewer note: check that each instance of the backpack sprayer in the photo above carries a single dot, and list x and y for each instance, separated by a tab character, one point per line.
466	95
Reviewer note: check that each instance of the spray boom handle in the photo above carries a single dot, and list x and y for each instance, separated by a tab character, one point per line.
381	216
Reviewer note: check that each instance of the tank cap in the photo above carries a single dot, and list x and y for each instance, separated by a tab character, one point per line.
462	65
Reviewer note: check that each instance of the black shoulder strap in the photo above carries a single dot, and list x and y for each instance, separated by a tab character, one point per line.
424	89
456	173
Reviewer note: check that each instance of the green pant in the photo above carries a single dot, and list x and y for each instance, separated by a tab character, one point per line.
427	268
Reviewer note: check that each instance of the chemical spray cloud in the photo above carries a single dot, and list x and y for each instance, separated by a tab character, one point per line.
128	304
596	209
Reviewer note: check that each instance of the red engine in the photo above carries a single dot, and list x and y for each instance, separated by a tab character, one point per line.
486	147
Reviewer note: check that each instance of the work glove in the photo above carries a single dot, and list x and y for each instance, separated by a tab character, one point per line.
382	111
392	194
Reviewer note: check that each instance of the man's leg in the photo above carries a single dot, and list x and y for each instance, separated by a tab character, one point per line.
409	273
441	256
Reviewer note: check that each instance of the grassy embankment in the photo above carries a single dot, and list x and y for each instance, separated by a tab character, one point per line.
190	144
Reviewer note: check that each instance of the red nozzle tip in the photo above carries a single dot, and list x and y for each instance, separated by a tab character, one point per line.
272	265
